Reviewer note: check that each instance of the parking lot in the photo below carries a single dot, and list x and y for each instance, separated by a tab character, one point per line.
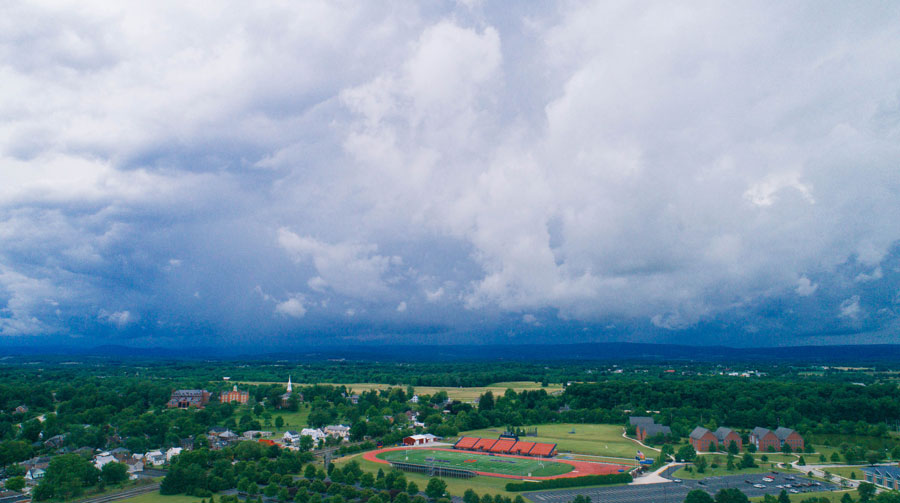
672	492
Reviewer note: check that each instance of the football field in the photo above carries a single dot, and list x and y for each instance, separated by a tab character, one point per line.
478	462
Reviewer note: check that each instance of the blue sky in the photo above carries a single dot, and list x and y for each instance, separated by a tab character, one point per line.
318	173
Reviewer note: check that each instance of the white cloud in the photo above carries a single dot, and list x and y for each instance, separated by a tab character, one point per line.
850	308
120	319
875	275
401	307
805	287
292	307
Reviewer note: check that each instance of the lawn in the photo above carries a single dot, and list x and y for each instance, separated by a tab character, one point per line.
593	439
479	462
456	487
720	471
155	497
846	472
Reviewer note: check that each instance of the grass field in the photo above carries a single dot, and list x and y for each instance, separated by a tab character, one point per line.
834	496
479	462
159	498
720	471
455	393
594	439
456	487
846	472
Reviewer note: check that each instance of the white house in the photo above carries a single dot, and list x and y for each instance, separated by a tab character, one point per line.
135	466
338	431
425	439
155	458
290	437
316	434
174	451
414	399
34	475
103	459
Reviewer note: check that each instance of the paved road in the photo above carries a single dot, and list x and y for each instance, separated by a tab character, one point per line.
675	492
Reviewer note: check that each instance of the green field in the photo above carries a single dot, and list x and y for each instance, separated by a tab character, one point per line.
593	439
720	471
456	487
478	462
833	496
455	393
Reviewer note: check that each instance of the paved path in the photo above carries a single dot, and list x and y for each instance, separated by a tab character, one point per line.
657	476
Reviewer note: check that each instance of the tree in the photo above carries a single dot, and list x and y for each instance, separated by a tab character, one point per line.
412	489
750	447
700	463
486	401
835	457
731	496
698	496
66	477
783	497
866	490
113	473
470	496
436	487
279	422
15	483
846	498
747	461
801	461
686	453
578	499
733	448
786	448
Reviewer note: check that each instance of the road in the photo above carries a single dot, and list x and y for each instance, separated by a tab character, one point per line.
671	492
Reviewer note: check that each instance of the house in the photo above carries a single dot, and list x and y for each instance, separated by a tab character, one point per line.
56	441
651	430
234	396
172	452
639	420
725	436
883	476
764	439
703	440
135	466
354	399
103	459
338	431
414	399
155	458
315	433
789	437
120	453
22	409
425	439
187	398
291	436
34	475
251	434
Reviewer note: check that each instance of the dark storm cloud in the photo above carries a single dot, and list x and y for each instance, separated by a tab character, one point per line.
327	172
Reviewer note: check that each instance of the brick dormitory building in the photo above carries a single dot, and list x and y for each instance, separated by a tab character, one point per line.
767	440
187	398
704	440
646	427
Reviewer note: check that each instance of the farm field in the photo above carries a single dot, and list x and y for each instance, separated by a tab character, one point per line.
594	439
455	393
481	485
479	462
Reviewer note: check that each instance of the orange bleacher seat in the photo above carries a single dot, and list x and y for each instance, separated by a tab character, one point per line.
465	443
484	444
503	445
521	447
541	449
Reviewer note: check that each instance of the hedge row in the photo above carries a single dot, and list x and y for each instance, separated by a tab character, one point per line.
588	480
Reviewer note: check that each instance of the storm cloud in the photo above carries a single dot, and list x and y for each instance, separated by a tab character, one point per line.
323	172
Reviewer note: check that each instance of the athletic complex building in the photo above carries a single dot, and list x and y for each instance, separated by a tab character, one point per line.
506	445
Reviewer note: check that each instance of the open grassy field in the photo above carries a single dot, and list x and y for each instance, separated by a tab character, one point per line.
159	498
479	462
456	487
848	472
720	471
455	393
594	439
834	496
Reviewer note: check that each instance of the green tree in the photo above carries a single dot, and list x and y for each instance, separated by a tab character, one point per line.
279	422
436	487
835	457
733	448
113	473
801	461
846	498
15	483
686	453
786	448
747	461
470	496
66	477
866	490
486	401
698	496
783	497
731	496
412	489
700	463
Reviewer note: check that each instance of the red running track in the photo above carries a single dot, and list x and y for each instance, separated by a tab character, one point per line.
581	468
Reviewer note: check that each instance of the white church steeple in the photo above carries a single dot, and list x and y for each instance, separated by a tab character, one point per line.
290	387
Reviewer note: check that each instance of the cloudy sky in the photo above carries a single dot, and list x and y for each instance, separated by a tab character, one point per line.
312	173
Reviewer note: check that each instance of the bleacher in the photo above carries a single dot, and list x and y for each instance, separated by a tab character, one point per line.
484	444
521	448
466	443
503	445
506	446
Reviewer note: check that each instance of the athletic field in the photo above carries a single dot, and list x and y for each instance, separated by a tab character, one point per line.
502	465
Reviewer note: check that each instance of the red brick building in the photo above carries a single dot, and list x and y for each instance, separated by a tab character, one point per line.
234	396
790	437
765	440
703	440
186	398
725	436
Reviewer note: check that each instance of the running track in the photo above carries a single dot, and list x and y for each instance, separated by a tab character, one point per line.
581	468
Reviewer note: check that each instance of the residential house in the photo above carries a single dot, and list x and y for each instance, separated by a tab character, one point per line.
253	434
414	399
338	431
103	459
22	409
135	466
291	436
172	452
316	434
34	475
155	458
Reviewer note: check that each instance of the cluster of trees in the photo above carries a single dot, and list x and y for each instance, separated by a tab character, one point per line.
69	475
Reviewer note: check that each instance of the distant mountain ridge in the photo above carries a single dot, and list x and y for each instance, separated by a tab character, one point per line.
602	351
